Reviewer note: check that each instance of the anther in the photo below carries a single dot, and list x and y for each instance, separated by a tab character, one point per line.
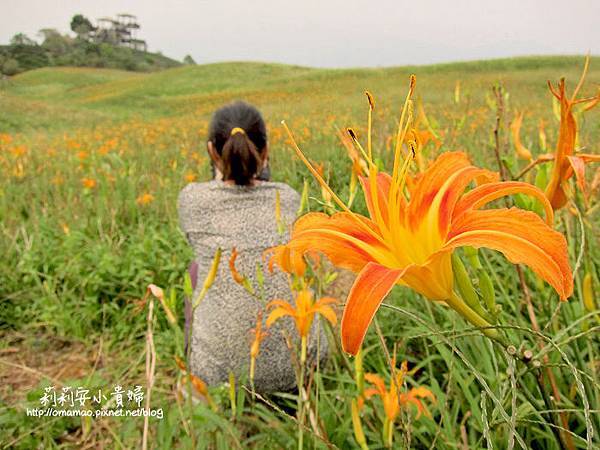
351	133
371	100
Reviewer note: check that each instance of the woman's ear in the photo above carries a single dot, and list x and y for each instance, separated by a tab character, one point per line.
216	159
264	156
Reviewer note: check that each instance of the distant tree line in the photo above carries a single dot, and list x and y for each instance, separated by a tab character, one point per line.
90	47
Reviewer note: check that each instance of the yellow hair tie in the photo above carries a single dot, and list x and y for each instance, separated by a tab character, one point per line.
237	130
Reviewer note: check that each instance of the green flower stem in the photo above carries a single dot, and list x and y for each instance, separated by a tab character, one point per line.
300	395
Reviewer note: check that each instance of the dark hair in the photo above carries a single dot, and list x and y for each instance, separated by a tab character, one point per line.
240	152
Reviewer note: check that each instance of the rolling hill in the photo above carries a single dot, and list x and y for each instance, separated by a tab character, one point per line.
61	98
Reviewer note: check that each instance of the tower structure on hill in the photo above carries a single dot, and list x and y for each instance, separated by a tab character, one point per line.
121	31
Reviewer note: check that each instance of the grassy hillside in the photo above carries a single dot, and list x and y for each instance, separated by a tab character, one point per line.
92	161
70	96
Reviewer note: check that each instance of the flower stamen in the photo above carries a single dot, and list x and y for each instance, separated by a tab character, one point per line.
325	186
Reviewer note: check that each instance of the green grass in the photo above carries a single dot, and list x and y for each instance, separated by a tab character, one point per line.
76	261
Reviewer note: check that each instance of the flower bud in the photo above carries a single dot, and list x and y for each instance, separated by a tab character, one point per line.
473	255
280	224
465	287
303	198
232	399
588	293
359	434
210	278
487	291
463	282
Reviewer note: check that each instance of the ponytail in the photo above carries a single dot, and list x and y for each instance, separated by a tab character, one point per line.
239	136
241	160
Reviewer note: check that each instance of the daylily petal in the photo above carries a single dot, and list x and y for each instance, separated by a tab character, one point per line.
371	286
327	312
451	191
326	301
588	157
482	195
413	397
421	392
304	300
391	405
281	304
286	259
515	128
370	392
277	314
434	279
427	184
443	183
383	187
522	237
578	167
340	239
376	380
237	277
565	146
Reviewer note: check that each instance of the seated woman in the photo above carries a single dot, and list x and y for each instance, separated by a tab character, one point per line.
237	209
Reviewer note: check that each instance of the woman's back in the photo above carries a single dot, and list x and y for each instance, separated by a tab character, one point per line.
213	215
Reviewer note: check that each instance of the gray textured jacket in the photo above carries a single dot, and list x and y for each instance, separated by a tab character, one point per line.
213	215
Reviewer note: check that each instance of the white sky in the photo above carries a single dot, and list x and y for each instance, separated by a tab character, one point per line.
334	33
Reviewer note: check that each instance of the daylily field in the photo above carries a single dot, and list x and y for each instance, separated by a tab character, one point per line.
447	239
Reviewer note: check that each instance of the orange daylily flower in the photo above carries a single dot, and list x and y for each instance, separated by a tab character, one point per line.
304	311
145	199
566	162
5	139
19	150
409	240
325	195
199	385
190	177
88	183
82	155
289	261
392	401
259	336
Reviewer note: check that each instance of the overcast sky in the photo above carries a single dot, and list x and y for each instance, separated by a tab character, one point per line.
334	33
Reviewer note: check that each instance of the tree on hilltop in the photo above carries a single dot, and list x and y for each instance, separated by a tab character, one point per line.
81	26
54	42
22	39
189	60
